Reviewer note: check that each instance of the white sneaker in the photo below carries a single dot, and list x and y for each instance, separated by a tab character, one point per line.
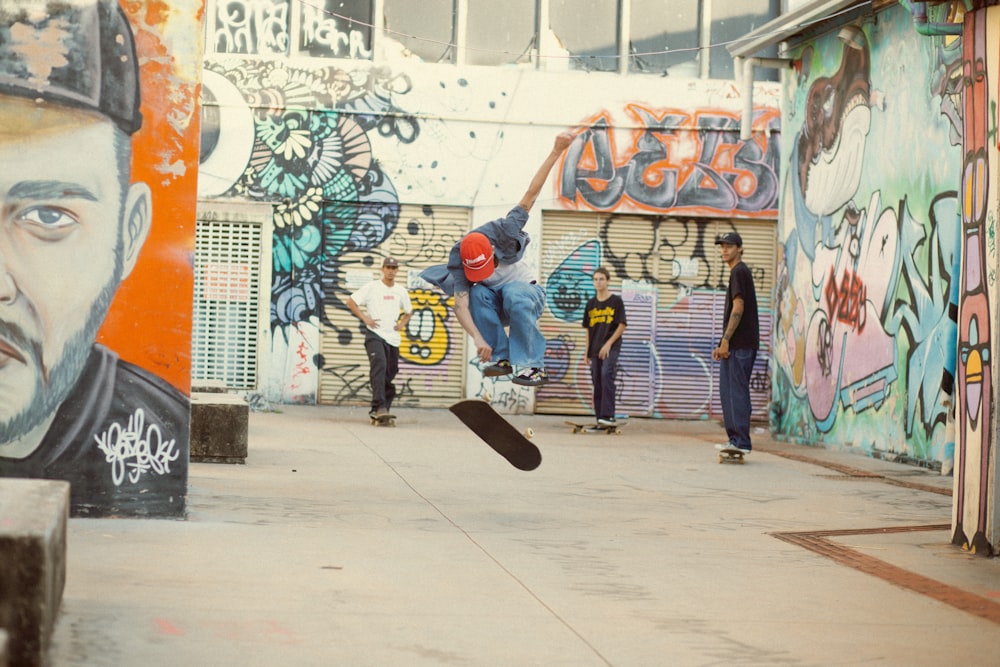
607	421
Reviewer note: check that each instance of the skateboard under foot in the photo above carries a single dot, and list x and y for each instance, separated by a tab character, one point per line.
613	429
383	420
730	454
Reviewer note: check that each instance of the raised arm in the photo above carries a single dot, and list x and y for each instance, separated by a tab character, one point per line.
535	187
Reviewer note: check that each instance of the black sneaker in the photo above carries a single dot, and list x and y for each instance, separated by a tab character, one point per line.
531	377
501	367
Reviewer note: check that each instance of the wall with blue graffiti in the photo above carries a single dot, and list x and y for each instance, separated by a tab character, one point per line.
358	160
867	293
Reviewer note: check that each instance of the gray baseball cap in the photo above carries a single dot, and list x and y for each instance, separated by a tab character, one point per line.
77	53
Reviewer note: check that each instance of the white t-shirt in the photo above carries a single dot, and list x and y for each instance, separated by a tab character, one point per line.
383	304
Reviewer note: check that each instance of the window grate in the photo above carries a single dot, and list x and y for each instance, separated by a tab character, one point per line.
226	303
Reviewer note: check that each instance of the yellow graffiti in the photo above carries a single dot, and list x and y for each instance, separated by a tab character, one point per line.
427	340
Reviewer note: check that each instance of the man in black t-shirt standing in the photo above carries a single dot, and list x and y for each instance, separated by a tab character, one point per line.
737	351
604	323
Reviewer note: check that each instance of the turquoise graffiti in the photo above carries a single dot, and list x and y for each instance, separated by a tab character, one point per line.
299	139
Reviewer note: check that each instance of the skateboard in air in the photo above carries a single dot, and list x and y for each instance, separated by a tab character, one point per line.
611	429
498	433
383	420
730	454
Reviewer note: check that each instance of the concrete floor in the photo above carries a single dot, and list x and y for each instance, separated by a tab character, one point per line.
343	544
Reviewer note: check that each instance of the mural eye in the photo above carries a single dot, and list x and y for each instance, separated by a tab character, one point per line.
48	217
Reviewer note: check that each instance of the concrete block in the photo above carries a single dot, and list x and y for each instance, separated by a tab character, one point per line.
220	425
33	517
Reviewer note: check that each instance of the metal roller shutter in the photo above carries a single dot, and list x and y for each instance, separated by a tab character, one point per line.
570	253
432	352
673	282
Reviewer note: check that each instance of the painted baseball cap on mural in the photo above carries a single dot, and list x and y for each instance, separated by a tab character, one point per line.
77	53
477	256
390	262
732	238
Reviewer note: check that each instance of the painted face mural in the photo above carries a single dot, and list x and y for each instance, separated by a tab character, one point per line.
73	224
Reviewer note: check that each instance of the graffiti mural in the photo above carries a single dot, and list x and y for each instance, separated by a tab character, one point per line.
679	160
301	139
263	27
98	176
866	293
974	419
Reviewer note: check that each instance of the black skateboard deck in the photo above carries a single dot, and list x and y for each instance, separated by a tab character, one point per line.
383	420
614	429
730	454
498	433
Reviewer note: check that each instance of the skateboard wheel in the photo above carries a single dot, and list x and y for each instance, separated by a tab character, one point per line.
529	433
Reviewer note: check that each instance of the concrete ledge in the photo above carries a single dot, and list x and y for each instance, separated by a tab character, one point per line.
220	424
209	387
33	516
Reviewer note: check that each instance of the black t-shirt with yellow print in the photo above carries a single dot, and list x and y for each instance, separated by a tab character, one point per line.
602	318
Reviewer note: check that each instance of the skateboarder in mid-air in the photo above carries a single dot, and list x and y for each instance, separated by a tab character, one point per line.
383	301
495	291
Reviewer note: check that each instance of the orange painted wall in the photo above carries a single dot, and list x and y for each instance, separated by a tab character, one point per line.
150	320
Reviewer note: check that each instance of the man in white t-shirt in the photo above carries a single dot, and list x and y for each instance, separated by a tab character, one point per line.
383	301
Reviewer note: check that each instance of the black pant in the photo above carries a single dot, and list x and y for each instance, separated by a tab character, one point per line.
383	360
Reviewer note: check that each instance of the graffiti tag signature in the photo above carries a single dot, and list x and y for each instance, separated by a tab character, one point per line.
137	447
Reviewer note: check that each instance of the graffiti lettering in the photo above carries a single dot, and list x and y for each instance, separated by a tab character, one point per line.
136	447
726	175
847	300
252	26
321	30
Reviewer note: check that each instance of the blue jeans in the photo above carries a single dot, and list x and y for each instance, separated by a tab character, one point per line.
516	305
602	373
734	390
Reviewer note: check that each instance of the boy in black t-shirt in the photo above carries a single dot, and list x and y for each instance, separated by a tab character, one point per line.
737	350
604	323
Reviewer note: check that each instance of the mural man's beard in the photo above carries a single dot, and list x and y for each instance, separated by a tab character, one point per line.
51	388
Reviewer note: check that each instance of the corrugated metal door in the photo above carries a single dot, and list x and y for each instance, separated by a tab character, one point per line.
432	352
575	244
231	257
673	281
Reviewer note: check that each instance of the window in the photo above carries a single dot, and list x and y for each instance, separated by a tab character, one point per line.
683	38
669	26
426	30
588	31
500	33
731	19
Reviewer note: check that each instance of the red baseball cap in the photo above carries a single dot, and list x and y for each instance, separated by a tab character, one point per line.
477	256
